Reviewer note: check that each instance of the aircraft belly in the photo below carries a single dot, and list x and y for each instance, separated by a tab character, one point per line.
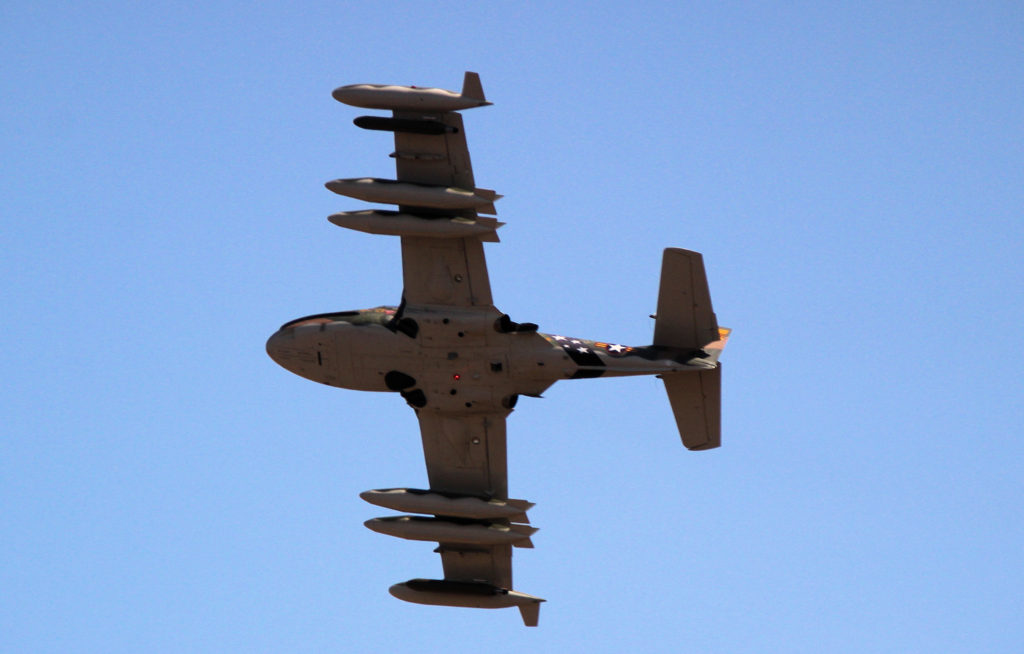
341	355
368	353
452	376
309	352
532	359
468	379
452	328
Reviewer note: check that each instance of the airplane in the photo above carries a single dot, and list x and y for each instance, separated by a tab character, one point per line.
462	364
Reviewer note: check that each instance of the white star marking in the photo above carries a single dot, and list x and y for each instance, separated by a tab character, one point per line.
615	348
577	342
582	350
559	338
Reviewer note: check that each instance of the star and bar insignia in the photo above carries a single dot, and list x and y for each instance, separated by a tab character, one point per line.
582	350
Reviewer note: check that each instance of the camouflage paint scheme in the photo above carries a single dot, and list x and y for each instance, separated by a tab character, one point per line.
462	364
324	348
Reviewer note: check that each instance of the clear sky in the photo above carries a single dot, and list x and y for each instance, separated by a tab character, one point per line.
853	175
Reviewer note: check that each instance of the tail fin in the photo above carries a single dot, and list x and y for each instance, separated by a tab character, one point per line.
685	320
527	531
714	349
696	399
471	87
524	506
491	196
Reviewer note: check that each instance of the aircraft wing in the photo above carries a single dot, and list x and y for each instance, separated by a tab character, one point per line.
445	280
465	455
445	271
448	272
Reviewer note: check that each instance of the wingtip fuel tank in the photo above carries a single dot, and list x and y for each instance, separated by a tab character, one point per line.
413	98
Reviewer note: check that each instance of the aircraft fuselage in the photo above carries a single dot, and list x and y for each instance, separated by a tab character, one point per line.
447	359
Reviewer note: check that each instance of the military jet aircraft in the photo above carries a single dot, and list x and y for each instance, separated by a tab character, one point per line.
461	364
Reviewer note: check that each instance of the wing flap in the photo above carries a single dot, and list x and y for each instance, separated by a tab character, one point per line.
450	272
491	565
465	454
437	159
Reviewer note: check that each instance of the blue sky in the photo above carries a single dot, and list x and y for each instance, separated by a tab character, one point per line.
853	175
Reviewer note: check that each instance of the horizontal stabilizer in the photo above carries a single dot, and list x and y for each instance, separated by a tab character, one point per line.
685	318
696	399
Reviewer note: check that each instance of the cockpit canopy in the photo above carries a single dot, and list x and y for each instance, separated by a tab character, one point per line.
375	316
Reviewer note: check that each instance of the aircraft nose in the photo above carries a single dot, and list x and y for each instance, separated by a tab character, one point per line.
278	343
295	347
